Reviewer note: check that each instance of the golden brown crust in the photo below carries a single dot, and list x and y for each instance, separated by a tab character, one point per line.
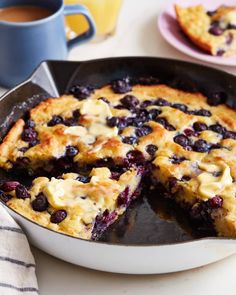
8	148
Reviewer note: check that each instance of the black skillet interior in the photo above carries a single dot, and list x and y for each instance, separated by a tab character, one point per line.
149	220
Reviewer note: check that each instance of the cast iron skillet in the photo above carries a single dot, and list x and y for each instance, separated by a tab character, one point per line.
149	223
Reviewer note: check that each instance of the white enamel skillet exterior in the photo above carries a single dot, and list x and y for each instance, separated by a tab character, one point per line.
129	259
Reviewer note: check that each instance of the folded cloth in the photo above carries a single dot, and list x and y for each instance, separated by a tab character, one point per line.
17	265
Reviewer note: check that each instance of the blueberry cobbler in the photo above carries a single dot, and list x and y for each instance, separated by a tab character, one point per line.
91	151
212	31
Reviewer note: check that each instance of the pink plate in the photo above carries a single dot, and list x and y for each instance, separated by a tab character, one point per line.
172	33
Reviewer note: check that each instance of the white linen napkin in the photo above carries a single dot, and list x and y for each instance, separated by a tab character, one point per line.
17	265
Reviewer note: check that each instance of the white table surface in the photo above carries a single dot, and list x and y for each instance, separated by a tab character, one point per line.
137	34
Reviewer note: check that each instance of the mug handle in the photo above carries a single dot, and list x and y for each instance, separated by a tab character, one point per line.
80	9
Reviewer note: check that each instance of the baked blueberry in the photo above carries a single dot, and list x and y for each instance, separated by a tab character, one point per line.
83	178
201	146
161	102
130	140
182	140
71	151
146	103
58	216
216	98
153	114
165	124
71	122
55	120
40	203
189	132
104	99
21	192
29	135
230	134
151	149
81	92
216	202
202	112
217	128
130	102
76	114
216	30
198	126
123	198
180	106
113	121
185	178
9	186
142	131
229	39
134	157
177	159
121	85
220	52
29	124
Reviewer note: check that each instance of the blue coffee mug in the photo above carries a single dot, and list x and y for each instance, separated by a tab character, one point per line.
23	45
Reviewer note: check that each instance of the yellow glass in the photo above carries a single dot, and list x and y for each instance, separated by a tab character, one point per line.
104	12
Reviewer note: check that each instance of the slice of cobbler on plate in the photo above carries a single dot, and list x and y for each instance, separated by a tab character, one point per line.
212	31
